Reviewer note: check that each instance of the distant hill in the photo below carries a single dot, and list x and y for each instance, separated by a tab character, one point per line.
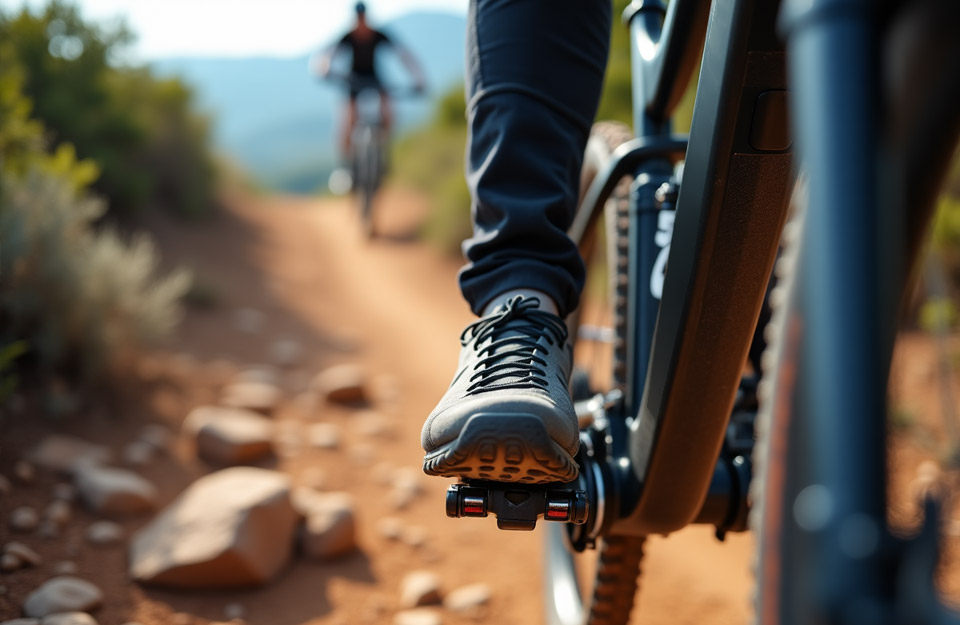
279	123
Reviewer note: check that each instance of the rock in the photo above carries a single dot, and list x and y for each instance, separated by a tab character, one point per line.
25	554
48	529
65	492
408	478
233	611
5	486
390	527
229	436
324	435
104	533
419	588
383	473
115	492
62	594
343	384
330	530
65	567
313	478
421	616
24	471
10	563
414	535
261	374
69	618
286	352
248	320
65	454
256	396
23	519
468	597
58	512
157	436
401	499
137	453
373	424
231	528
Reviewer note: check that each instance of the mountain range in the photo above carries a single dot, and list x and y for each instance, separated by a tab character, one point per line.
279	123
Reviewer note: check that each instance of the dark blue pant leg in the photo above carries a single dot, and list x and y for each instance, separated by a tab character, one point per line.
535	72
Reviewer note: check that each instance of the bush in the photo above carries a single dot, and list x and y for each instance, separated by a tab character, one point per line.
74	298
149	146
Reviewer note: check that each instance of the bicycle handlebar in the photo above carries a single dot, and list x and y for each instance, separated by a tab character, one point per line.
362	83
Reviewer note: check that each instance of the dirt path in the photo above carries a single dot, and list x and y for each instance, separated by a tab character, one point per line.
393	307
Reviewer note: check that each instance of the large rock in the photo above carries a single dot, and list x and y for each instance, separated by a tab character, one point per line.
330	530
62	594
256	396
229	436
344	384
115	492
420	616
232	528
467	597
65	454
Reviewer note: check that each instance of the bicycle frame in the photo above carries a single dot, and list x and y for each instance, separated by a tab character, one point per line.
732	205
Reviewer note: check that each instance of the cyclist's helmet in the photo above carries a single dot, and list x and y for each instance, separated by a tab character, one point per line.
360	8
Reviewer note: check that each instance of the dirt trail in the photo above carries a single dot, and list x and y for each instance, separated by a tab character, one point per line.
391	305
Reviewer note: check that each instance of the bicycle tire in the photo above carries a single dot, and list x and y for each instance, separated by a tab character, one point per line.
618	557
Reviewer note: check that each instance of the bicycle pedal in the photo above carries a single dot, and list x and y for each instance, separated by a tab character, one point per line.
517	507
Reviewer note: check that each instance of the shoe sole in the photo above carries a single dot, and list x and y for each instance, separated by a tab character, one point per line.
503	448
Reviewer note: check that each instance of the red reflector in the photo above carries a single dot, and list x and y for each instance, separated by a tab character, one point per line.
473	510
556	514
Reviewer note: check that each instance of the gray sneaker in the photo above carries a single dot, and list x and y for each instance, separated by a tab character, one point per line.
507	415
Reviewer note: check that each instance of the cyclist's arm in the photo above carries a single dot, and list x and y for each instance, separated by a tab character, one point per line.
324	59
409	61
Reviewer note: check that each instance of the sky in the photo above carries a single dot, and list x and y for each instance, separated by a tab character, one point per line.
239	28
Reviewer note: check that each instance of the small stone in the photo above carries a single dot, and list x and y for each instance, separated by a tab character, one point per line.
468	597
23	519
64	454
62	594
65	492
58	512
330	530
27	556
286	352
229	436
256	396
383	473
344	384
137	453
314	478
9	563
414	535
324	435
408	478
248	320
115	492
65	567
157	436
69	618
401	499
260	374
24	471
104	533
419	588
234	611
374	425
48	529
421	616
5	486
390	527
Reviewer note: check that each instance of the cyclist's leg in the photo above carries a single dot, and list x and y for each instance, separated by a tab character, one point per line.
535	74
386	112
346	130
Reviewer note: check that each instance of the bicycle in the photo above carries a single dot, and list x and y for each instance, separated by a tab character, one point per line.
369	143
668	440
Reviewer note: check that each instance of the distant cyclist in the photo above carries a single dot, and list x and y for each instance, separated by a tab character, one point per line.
364	44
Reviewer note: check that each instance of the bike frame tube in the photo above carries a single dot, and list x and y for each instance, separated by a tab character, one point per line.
730	212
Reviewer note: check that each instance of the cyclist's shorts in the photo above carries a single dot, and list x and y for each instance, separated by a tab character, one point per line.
361	82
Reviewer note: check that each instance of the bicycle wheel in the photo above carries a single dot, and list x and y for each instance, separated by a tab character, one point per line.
598	588
365	183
